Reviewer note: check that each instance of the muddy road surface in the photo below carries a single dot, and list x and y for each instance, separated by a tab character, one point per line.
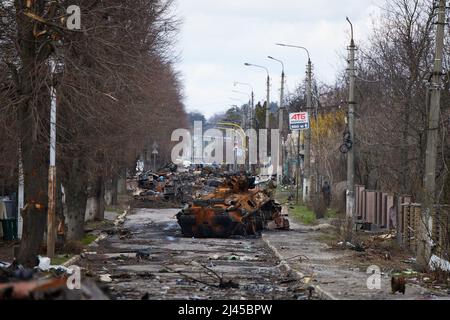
147	258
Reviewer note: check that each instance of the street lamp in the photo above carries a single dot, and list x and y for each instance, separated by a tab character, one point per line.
306	181
292	46
236	83
245	115
240	100
51	214
282	64
238	131
252	101
280	120
268	91
241	92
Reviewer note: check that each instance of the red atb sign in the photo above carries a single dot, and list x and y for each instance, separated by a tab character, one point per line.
299	121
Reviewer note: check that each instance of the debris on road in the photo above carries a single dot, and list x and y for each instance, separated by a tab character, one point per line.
236	208
219	281
398	284
437	263
356	247
44	282
156	262
143	254
105	278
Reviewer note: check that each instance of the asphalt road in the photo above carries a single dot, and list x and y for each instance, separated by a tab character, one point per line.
148	257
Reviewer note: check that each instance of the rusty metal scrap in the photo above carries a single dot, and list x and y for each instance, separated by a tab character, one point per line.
236	208
27	289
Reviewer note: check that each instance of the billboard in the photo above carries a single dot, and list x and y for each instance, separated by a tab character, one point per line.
299	121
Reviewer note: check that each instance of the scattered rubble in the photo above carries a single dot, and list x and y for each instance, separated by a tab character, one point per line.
218	204
437	263
237	207
44	282
398	284
105	278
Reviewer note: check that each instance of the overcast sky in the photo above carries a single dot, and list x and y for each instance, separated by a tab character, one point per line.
219	36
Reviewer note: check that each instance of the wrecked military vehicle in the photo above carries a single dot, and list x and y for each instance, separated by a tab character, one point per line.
236	208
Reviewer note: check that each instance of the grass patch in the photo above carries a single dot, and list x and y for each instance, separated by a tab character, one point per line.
303	214
99	225
116	209
332	214
88	239
60	259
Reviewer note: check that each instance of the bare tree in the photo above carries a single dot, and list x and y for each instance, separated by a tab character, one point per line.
116	89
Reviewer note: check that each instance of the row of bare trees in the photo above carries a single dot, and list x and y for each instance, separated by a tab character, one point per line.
394	86
117	94
394	69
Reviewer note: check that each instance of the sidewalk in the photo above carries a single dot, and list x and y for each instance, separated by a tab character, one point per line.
335	274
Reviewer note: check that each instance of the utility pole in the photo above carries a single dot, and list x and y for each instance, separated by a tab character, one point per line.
280	127
280	124
251	119
252	125
307	162
350	199
281	109
250	122
268	91
252	111
424	248
307	174
268	103
299	175
245	114
235	160
51	214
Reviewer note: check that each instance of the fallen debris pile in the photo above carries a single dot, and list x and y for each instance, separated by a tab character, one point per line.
174	185
45	282
236	208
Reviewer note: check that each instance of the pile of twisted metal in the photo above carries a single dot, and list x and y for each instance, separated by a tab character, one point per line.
236	208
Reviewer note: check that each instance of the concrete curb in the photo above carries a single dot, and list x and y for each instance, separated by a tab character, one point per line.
285	267
120	219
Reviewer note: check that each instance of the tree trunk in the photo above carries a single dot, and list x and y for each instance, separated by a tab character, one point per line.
76	195
35	211
404	152
122	182
446	195
114	190
99	194
34	219
32	112
76	200
61	210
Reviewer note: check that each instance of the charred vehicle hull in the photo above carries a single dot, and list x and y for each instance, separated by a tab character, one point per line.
233	210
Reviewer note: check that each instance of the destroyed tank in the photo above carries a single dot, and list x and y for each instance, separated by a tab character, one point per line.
236	208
